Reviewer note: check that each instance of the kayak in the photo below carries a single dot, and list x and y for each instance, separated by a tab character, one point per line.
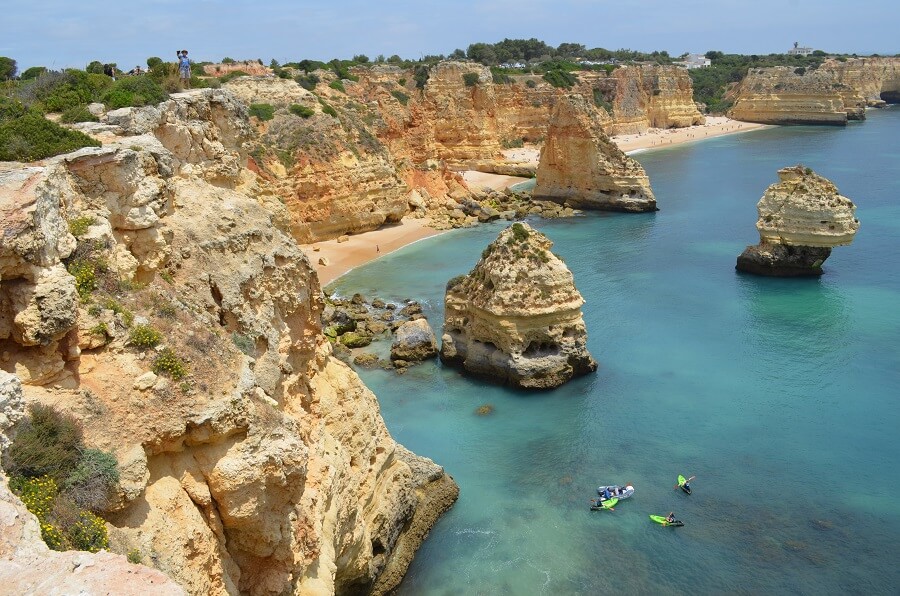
607	504
661	519
683	484
617	491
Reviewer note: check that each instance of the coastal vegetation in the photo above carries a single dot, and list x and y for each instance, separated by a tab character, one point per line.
60	480
25	135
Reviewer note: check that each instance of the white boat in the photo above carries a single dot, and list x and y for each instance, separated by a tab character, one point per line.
617	491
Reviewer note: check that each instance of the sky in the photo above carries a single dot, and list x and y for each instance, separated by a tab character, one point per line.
63	33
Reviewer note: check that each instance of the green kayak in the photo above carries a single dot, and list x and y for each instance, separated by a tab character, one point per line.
683	483
607	504
661	519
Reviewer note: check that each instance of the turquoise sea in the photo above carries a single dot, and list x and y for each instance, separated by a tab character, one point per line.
781	396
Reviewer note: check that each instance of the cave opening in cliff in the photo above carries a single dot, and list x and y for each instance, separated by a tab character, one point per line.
891	96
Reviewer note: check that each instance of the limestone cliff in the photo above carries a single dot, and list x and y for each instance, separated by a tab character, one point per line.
801	218
581	167
516	317
333	174
264	469
779	95
782	95
464	117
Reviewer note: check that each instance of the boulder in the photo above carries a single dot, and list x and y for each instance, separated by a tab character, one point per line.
414	341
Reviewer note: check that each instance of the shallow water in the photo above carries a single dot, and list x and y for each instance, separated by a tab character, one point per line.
781	396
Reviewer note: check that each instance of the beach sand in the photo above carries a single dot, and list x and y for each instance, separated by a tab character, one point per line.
368	246
362	248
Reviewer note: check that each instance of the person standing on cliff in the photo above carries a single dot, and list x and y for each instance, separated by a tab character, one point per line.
184	67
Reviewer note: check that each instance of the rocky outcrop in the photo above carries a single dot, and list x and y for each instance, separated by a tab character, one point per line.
582	168
837	91
414	341
516	317
463	117
782	95
28	566
254	461
250	67
801	218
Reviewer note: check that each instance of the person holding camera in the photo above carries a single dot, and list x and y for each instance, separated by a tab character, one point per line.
184	68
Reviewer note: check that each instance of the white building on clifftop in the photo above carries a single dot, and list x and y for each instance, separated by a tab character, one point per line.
695	61
798	51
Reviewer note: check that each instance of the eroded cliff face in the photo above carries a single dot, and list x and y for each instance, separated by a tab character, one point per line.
467	123
779	95
516	317
580	166
334	175
266	470
831	94
801	218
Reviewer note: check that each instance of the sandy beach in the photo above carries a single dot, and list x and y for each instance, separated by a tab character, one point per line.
362	248
359	249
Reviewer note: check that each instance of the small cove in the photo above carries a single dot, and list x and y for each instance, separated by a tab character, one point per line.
779	395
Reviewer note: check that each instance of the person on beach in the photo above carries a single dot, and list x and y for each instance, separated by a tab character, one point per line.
184	68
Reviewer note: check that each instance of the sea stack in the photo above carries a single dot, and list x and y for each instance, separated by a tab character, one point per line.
580	166
516	317
801	218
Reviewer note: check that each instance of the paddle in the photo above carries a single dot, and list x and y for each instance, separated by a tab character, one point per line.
688	481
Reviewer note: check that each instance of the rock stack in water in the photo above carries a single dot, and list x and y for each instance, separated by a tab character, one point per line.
580	167
516	317
801	218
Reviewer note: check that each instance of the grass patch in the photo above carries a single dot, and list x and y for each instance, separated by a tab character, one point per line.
144	337
80	225
337	85
168	363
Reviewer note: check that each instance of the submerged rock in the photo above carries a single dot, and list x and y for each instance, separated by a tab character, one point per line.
580	167
801	218
516	317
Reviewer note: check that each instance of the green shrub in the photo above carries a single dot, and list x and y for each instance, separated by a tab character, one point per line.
91	482
328	109
77	114
421	74
48	443
134	91
560	78
85	274
25	135
33	73
337	85
244	344
512	143
601	102
302	111
531	83
402	82
134	556
263	111
470	79
232	75
80	225
88	532
454	281
58	91
499	77
307	81
168	363
144	337
400	96
519	232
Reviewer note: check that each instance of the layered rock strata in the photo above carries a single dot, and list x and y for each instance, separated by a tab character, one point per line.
516	317
779	95
252	461
801	218
580	167
783	95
